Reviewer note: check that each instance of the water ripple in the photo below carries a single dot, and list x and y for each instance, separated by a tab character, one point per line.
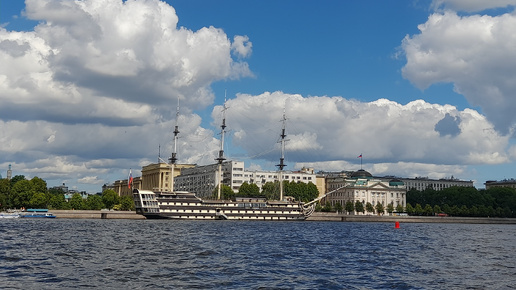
136	254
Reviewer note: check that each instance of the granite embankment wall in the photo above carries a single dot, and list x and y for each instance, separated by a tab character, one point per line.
317	216
96	214
324	216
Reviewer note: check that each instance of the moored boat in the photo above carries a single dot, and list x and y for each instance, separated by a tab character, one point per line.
186	205
9	215
36	213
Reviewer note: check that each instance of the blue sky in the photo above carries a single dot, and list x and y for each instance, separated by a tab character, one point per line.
420	88
334	48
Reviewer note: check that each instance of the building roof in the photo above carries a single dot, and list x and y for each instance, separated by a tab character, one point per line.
396	182
361	174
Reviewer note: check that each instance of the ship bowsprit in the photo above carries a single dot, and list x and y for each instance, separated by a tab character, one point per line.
309	210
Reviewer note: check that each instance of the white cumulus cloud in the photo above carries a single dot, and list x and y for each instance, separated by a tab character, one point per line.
476	53
471	5
328	133
90	87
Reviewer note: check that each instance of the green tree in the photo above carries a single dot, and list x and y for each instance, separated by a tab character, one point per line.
271	190
380	209
503	197
94	202
225	193
338	207
428	210
473	211
369	207
311	192
446	209
482	211
38	200
390	208
57	201
409	209
39	197
21	194
415	196
399	208
507	212
455	210
126	202
349	207
16	178
76	202
359	207
327	207
418	210
244	190
301	191
5	188
464	211
38	184
249	190
491	211
110	198
255	190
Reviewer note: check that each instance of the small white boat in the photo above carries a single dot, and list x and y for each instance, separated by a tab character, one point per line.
37	213
9	215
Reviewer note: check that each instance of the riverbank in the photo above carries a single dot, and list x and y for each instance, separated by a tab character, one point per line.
325	216
96	214
316	216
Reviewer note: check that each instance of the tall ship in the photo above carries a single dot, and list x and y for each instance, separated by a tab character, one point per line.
186	205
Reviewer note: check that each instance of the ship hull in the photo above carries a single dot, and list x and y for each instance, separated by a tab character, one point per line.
187	206
242	216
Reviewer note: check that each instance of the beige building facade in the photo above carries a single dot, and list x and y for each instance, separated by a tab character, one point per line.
154	177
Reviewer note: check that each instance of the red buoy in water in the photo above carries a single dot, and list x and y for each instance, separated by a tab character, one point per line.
397	225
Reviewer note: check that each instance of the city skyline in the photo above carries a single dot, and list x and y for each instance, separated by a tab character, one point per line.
89	88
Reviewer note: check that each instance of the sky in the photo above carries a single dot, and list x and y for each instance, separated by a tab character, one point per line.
89	89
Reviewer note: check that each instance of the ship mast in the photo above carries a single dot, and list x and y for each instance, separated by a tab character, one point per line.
173	158
221	158
281	164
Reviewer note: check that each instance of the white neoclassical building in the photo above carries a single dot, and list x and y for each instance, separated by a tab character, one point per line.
422	183
361	186
203	179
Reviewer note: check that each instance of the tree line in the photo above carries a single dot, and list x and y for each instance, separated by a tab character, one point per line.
359	207
301	191
20	193
463	201
452	201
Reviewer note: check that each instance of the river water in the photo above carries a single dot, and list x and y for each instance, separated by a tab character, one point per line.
157	254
